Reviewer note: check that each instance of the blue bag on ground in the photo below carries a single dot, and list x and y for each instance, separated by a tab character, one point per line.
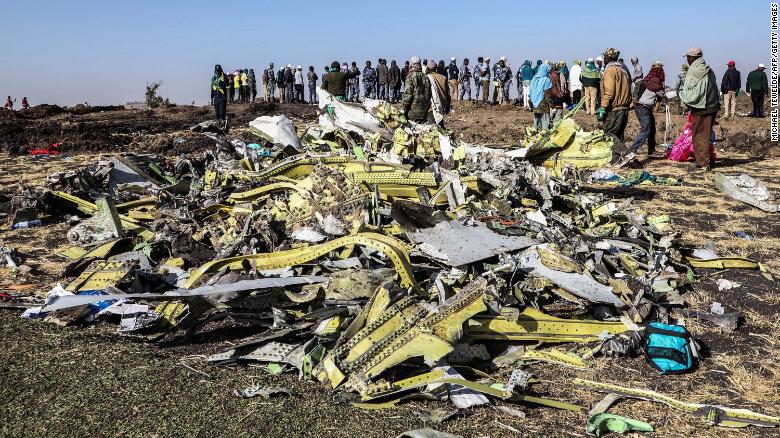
670	348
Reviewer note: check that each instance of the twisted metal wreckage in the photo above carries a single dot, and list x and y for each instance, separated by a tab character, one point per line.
377	256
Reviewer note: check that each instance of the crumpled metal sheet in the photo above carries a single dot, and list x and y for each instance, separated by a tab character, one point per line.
456	244
747	189
578	284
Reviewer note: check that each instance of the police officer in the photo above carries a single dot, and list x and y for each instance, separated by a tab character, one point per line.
478	76
369	81
465	79
353	94
269	83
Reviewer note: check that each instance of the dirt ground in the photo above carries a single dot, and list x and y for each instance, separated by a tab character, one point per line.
66	381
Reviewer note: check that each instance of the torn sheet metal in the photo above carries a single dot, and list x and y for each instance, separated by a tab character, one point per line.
713	414
264	392
456	244
276	129
577	283
179	294
533	325
747	189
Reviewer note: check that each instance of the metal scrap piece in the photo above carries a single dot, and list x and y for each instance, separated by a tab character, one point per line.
263	391
747	189
713	414
576	283
462	244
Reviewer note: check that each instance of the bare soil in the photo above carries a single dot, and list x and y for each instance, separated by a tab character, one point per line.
70	381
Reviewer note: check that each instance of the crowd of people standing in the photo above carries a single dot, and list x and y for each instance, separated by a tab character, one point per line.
606	84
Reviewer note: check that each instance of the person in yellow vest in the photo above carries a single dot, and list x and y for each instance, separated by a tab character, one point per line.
237	85
219	89
245	85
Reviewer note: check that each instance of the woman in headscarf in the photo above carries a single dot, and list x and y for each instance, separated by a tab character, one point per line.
528	75
557	93
575	83
591	80
540	90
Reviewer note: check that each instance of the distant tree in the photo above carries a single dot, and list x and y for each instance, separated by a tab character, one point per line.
152	99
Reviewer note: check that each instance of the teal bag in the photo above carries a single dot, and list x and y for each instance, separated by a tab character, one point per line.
670	348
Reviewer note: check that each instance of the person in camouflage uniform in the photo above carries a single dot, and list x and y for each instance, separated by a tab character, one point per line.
504	75
353	90
478	76
369	81
269	83
465	79
417	93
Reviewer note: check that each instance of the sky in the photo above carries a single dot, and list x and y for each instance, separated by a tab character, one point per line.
104	52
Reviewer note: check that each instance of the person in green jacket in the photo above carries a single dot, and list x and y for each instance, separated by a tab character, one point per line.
416	101
757	86
700	94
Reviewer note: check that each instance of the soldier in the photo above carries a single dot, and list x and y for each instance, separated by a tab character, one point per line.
505	77
452	76
465	79
381	80
478	76
369	81
312	77
394	81
354	84
417	93
269	83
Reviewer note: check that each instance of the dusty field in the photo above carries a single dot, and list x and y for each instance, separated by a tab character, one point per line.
78	381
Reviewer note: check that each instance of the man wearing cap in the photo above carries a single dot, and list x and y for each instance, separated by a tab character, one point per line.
700	94
417	93
615	100
730	86
453	74
757	86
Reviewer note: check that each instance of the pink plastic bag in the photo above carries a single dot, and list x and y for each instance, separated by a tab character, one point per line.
682	149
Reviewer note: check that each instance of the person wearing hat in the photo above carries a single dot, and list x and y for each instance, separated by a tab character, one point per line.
730	86
335	81
453	73
417	93
615	101
700	94
757	86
